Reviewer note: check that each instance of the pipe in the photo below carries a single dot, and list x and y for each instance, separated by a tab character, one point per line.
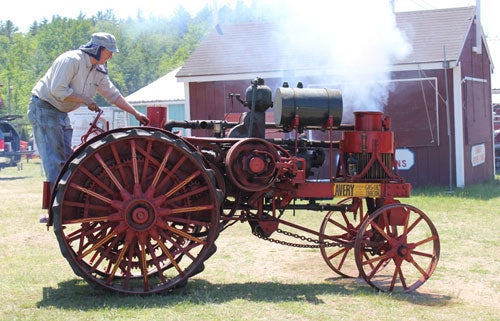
197	124
448	120
478	47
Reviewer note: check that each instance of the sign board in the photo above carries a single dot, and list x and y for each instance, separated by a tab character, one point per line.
478	154
83	117
357	190
405	159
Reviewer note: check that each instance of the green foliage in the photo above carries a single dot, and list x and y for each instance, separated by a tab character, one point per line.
7	28
149	47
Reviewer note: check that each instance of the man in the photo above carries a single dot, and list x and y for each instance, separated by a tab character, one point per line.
72	81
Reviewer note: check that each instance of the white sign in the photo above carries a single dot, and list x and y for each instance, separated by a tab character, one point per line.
478	154
83	117
405	159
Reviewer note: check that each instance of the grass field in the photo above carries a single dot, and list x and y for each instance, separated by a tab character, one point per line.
251	279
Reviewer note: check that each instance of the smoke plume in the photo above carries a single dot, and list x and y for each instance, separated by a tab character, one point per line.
353	42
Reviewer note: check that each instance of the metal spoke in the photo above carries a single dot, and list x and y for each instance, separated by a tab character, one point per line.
166	251
119	229
96	180
161	168
156	261
117	160
171	172
429	255
117	263
144	266
338	225
173	211
91	193
344	253
419	268
381	231
185	195
429	239
414	224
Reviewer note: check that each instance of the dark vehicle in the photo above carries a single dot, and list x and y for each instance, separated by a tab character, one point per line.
11	147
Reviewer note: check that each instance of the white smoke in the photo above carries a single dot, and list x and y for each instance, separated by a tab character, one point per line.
354	42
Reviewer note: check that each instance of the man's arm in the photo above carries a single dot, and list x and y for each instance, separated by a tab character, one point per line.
124	105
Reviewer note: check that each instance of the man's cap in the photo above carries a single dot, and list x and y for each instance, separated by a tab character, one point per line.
105	40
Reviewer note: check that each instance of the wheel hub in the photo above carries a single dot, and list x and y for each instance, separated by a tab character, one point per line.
140	215
256	165
403	250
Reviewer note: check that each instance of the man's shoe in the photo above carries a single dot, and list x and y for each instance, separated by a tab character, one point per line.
44	218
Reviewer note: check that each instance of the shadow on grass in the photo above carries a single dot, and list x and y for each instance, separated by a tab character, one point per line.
12	178
78	295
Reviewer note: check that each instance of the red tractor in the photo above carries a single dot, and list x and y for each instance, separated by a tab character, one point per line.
138	210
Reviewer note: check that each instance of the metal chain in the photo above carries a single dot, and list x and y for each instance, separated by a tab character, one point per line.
317	244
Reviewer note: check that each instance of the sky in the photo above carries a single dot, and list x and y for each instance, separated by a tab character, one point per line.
24	12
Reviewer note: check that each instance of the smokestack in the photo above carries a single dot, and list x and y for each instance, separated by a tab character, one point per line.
215	17
478	48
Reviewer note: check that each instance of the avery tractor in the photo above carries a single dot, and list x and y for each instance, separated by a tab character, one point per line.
138	210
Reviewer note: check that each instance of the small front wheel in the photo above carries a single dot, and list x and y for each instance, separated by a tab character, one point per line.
341	227
397	248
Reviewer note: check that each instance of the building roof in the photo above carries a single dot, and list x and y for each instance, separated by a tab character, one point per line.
252	48
239	48
430	32
164	89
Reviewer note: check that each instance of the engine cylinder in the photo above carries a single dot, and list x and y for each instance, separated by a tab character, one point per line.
313	106
368	121
368	140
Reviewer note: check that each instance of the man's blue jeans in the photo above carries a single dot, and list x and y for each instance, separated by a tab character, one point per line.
53	132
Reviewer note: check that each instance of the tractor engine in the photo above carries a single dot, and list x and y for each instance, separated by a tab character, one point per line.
368	151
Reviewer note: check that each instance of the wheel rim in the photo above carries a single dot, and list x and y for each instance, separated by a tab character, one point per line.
251	164
136	212
342	226
397	248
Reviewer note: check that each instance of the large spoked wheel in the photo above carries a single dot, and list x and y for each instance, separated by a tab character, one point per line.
341	228
136	211
397	248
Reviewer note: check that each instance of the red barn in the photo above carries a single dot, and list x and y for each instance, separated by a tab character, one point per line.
440	98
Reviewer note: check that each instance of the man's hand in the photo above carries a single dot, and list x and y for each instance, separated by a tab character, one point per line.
141	118
92	105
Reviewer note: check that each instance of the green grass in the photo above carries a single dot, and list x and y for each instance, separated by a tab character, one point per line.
251	279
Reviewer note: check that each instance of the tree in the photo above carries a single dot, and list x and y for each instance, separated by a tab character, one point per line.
7	29
149	47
